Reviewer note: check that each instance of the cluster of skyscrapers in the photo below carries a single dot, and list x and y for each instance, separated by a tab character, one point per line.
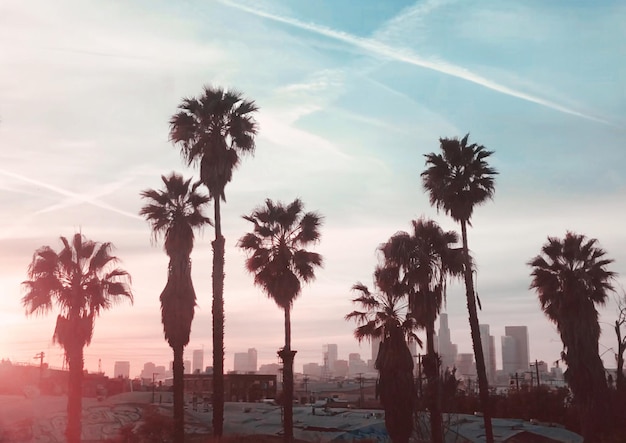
514	345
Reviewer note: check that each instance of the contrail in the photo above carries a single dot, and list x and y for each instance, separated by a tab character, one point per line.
407	56
80	197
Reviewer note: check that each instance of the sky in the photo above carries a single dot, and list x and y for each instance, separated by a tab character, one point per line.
351	95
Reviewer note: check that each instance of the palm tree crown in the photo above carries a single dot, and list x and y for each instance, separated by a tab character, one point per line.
570	277
459	178
81	280
213	130
277	258
384	309
175	212
426	258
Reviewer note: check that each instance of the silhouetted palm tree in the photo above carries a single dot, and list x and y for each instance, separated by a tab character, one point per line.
457	180
81	280
427	259
175	212
385	315
570	277
279	262
214	130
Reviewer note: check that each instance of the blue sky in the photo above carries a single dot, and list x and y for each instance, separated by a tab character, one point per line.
351	96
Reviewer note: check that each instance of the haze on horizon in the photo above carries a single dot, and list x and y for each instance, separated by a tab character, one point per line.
350	100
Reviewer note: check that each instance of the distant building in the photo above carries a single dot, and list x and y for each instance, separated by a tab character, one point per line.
237	387
312	370
465	365
519	358
270	369
447	349
489	352
187	364
245	362
329	357
148	371
341	368
355	364
121	369
509	355
198	361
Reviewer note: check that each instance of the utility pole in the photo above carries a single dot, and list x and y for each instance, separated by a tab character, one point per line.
306	387
537	370
40	356
361	397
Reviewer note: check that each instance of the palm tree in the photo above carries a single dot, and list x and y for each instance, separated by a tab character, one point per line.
279	262
457	180
570	277
175	212
81	280
385	315
426	258
214	130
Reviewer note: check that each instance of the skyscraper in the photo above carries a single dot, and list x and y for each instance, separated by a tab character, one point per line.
198	361
329	354
519	358
121	369
488	345
509	355
447	349
245	361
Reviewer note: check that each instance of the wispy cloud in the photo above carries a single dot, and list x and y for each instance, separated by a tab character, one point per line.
75	198
406	55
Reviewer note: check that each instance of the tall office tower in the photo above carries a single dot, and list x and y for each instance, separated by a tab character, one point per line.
312	369
486	345
355	364
329	353
252	360
198	361
148	370
465	365
121	369
520	334
447	349
509	355
241	362
489	352
492	357
187	364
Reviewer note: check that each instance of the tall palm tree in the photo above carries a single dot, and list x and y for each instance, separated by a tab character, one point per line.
213	131
81	280
279	262
427	258
175	212
457	180
571	277
385	315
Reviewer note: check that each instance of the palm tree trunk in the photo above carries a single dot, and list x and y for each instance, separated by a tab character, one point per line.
432	369
483	386
74	393
218	323
179	395
287	355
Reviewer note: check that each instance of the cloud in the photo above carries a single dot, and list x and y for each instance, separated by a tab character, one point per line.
405	55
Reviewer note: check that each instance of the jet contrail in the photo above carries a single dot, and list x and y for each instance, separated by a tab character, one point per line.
407	56
80	197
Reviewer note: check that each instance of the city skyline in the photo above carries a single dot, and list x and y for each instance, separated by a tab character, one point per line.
350	99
